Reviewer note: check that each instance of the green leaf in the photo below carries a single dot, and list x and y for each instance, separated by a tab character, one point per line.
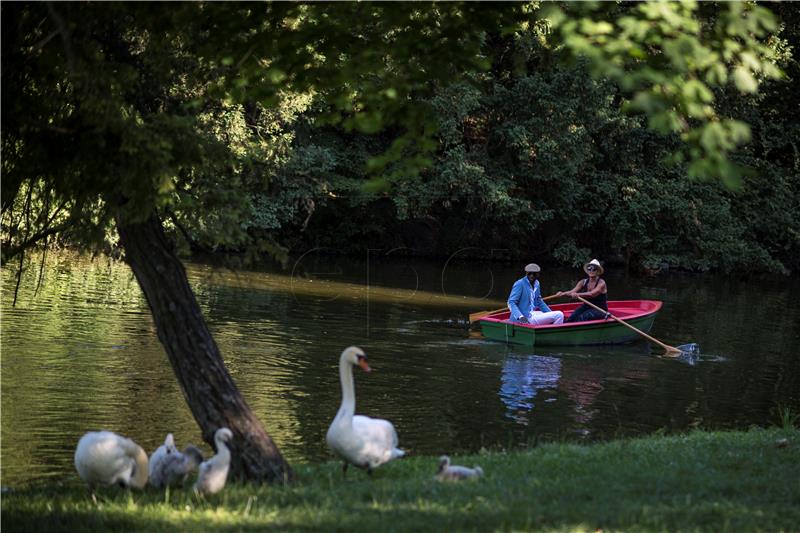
551	12
275	75
744	80
696	90
739	131
717	74
376	185
369	123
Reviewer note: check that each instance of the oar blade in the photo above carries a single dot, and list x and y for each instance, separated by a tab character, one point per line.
692	349
690	354
687	353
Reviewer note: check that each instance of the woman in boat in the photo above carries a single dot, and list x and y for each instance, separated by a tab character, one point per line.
526	303
592	289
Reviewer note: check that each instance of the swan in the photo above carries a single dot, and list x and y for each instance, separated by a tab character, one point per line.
213	473
359	440
448	472
178	466
105	458
156	466
169	467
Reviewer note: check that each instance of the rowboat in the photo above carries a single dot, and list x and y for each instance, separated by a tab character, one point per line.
638	313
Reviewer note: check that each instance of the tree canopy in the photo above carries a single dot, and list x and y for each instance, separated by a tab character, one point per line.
242	122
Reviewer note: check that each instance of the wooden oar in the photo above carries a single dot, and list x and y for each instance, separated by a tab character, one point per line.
480	314
671	351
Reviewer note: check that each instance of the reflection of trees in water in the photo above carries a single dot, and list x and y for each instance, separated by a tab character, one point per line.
521	380
80	354
582	384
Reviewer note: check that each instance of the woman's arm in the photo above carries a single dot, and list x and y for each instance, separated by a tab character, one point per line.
572	292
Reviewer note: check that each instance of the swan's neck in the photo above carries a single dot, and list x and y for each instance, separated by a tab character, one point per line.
222	450
348	407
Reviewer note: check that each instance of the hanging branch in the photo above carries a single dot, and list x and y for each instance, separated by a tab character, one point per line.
9	199
41	269
27	211
46	210
47	230
13	251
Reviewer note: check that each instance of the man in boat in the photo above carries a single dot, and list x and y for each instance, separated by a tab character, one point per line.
525	301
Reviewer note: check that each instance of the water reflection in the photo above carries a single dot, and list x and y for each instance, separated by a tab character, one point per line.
583	383
522	379
81	353
578	387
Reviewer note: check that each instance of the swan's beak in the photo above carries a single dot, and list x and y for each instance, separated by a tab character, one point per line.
364	365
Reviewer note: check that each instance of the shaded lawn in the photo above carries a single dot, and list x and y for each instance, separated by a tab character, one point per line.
703	481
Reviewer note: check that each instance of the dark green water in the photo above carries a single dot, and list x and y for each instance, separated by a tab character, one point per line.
79	352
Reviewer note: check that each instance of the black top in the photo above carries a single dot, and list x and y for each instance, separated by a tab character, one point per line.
601	300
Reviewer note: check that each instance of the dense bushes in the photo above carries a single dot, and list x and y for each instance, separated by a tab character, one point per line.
544	163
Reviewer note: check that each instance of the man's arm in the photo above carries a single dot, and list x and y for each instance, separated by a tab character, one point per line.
513	301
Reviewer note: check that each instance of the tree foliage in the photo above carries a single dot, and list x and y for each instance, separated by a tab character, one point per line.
672	57
254	127
134	106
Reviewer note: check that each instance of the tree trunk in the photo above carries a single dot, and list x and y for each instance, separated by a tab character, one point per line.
210	392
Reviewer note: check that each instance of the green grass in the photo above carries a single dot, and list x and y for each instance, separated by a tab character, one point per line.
732	481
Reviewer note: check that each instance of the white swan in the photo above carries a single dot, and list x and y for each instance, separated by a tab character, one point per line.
178	466
156	466
213	473
448	472
359	440
105	458
169	467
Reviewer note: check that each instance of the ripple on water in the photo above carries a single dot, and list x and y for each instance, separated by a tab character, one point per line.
83	355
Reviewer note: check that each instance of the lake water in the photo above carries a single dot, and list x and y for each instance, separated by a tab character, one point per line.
79	352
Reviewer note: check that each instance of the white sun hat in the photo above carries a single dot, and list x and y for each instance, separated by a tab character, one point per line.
595	263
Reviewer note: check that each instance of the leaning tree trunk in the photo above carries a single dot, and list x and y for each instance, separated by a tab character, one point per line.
213	397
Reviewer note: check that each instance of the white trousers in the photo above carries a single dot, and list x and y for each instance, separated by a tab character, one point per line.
539	318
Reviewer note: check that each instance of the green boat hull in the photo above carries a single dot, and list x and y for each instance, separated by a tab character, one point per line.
578	334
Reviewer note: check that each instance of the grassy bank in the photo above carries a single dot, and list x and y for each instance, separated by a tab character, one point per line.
736	481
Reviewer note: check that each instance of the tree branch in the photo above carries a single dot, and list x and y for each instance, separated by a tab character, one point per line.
64	31
11	252
174	218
